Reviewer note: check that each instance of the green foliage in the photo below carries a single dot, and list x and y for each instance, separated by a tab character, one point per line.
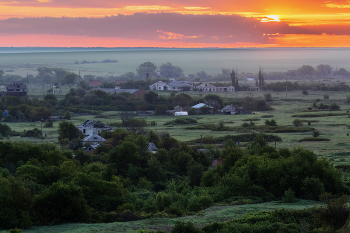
182	227
67	115
320	115
5	130
209	140
48	124
32	133
181	121
314	139
305	92
168	70
267	116
68	130
335	213
72	206
316	133
268	96
161	109
289	196
271	122
297	122
326	96
15	204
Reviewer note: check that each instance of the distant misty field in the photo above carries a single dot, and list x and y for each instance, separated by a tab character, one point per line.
23	60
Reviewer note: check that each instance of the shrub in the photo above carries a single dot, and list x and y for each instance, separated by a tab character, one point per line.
316	133
313	139
5	130
268	96
347	100
289	196
335	213
312	188
48	124
305	92
68	115
32	133
245	124
126	206
326	96
271	123
209	140
182	227
267	116
297	122
181	121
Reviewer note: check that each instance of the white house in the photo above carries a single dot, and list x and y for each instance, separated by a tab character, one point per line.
206	87
94	139
173	85
93	127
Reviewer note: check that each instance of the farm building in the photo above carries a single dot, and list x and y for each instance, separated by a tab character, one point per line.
171	86
93	127
202	108
95	83
16	89
229	110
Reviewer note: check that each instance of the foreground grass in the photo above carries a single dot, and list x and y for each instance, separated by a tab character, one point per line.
213	214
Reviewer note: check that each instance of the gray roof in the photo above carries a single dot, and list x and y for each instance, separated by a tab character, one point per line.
229	108
152	147
117	91
94	124
200	105
94	138
180	84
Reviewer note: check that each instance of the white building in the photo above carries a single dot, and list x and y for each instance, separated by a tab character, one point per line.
94	139
93	127
171	86
207	87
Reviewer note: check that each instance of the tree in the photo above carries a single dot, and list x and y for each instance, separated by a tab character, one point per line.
69	78
1	73
68	115
68	130
261	78
268	96
233	78
325	69
161	109
182	99
306	70
5	130
214	101
168	70
297	122
147	67
150	96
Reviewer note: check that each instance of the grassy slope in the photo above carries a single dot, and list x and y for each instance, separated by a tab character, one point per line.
213	214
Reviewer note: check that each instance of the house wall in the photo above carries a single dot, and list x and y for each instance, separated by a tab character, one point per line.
88	131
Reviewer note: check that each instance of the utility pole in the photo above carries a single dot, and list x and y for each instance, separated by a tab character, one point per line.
286	87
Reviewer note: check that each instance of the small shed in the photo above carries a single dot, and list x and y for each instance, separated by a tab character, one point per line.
229	110
181	114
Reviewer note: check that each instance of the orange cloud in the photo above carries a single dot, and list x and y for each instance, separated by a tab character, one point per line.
175	36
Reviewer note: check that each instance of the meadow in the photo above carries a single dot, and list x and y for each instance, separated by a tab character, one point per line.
335	128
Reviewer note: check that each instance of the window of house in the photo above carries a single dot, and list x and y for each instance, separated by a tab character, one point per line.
84	130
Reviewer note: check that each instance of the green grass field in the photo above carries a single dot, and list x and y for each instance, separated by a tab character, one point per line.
210	215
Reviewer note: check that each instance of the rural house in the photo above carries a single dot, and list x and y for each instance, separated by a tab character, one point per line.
229	110
90	127
171	86
94	139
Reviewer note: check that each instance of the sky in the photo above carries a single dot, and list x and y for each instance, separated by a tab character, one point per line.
175	23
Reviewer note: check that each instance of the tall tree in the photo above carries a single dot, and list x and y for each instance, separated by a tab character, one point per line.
147	67
261	78
168	70
233	78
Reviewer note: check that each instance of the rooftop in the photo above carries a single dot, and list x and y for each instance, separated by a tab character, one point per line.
93	124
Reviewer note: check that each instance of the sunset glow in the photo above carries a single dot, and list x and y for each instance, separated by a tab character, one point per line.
171	23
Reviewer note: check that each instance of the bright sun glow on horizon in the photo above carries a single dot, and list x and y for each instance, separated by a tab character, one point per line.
270	18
